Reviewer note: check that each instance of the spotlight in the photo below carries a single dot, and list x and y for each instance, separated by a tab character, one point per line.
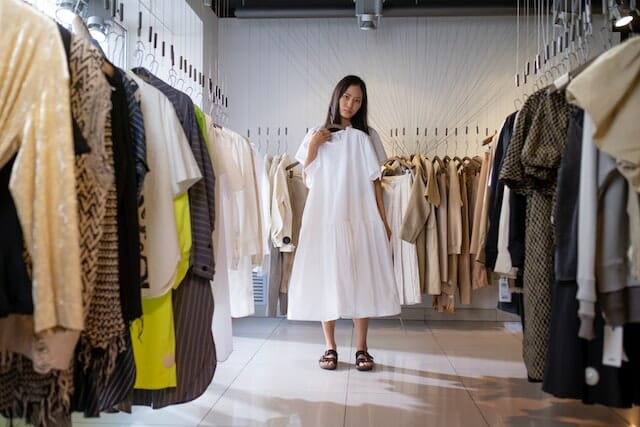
624	21
367	22
65	11
97	28
622	17
368	13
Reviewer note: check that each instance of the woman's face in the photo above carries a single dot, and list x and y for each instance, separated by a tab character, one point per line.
350	102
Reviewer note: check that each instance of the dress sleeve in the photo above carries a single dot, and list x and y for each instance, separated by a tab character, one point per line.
301	156
378	148
370	160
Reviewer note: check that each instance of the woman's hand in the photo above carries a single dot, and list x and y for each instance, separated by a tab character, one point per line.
318	138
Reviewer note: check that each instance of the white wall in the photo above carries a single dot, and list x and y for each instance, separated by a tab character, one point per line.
420	72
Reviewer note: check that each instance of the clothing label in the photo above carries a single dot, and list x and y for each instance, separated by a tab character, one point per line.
613	346
504	294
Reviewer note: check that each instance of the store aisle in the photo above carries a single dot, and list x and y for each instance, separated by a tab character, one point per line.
436	374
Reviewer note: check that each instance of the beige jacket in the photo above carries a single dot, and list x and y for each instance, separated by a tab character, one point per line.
413	228
609	90
434	285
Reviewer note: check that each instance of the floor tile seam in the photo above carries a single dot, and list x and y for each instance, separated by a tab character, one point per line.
458	375
618	415
346	394
240	372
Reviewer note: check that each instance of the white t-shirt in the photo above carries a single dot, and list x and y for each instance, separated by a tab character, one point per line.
172	171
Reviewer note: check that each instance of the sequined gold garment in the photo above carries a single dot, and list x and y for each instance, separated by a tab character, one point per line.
35	123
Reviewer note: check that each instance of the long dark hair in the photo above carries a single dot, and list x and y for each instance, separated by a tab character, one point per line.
359	120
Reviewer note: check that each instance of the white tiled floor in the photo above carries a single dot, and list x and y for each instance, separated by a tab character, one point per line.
434	374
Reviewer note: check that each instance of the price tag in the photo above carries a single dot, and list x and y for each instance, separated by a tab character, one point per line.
612	354
504	294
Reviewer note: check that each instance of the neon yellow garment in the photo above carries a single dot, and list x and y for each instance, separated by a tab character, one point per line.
154	348
202	124
183	223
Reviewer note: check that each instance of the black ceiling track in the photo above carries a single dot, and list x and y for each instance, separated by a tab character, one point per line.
346	8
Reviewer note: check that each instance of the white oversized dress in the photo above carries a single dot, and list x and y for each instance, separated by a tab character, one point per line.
343	265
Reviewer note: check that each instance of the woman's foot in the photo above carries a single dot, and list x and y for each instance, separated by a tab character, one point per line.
364	361
329	360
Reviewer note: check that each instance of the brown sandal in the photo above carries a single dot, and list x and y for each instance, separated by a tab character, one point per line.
364	361
329	360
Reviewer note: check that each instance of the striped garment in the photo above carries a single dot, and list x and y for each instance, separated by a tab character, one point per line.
201	195
136	124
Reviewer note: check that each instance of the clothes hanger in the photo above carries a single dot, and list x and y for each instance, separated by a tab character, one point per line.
438	160
488	139
564	80
335	127
402	161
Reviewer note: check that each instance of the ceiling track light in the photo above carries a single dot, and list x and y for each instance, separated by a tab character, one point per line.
368	13
66	10
621	15
97	28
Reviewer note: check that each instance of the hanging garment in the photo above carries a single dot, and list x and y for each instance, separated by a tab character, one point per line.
503	264
479	275
618	290
262	167
298	195
15	283
247	230
173	170
274	279
464	261
201	194
355	278
136	123
193	300
446	301
104	342
281	214
613	104
41	399
529	168
497	191
413	229
228	183
432	193
588	208
570	355
44	398
396	194
128	229
36	122
138	137
442	216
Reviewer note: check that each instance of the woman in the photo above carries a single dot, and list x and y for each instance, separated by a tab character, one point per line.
343	265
